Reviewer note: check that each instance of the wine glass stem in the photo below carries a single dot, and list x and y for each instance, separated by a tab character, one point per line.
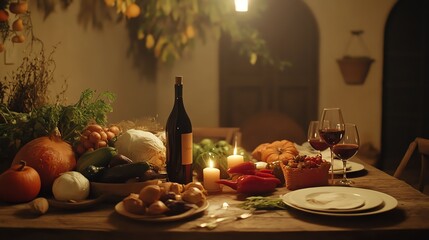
332	166
344	170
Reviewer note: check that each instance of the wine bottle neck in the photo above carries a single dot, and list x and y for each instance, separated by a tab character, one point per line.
178	91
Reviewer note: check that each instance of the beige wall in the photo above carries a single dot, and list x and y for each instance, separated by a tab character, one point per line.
91	59
97	60
361	104
201	85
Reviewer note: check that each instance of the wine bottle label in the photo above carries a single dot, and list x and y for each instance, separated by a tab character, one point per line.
187	148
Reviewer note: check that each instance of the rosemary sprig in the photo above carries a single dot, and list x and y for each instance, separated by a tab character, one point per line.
263	203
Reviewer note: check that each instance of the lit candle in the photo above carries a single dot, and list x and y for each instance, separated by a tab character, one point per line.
210	177
234	159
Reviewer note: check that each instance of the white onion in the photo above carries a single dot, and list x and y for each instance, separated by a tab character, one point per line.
71	186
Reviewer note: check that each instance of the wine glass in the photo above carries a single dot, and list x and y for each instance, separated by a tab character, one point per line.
331	130
346	149
314	139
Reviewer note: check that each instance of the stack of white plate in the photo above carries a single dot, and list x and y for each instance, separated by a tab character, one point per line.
340	201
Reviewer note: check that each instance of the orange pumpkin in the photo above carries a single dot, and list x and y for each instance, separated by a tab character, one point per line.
276	151
19	184
49	156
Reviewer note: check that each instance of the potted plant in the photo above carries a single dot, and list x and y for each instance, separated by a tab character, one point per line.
355	68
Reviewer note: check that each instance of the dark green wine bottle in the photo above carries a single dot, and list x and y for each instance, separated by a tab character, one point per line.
179	139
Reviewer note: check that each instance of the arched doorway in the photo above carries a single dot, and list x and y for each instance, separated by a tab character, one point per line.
406	80
291	32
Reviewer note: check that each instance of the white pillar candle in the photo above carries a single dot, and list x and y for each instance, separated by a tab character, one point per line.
210	177
234	159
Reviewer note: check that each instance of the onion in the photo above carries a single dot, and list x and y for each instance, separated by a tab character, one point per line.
71	186
49	156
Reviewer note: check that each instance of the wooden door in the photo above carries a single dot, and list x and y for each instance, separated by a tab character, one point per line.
245	90
405	81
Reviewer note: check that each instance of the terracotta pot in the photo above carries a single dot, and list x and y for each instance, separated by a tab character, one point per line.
355	69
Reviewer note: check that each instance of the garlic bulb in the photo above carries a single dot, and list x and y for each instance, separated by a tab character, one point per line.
177	188
193	195
134	204
157	208
39	205
71	185
198	185
150	194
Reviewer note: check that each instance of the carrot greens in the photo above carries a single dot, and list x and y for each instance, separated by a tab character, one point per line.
18	128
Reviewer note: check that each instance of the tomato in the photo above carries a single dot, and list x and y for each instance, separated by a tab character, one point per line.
4	15
18	8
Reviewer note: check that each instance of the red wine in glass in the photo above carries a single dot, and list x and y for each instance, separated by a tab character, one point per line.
331	130
331	136
345	151
318	144
313	137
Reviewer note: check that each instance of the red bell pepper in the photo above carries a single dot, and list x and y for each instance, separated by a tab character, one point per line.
266	170
247	168
252	184
264	174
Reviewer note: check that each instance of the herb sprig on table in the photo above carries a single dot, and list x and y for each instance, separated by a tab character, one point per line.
17	128
263	203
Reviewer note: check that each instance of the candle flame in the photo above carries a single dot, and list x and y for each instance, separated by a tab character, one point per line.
235	150
211	163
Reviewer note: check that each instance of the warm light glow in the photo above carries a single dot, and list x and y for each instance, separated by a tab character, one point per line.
241	5
211	176
235	150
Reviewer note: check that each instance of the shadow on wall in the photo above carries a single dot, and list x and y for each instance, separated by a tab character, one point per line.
268	127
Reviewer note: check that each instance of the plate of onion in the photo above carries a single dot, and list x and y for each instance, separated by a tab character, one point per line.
193	210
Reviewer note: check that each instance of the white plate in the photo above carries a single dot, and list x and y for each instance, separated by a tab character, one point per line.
328	201
351	167
74	205
388	204
351	199
148	218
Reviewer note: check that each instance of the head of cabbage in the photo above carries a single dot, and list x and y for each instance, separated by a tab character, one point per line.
140	145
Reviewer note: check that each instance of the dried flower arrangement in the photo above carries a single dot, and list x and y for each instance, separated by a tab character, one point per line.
26	88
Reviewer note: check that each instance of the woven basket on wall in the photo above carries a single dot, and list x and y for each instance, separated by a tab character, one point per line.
354	69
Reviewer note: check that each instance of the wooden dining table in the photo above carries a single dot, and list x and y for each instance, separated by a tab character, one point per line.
408	220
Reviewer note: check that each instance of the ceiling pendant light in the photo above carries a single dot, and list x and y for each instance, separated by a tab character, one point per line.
241	5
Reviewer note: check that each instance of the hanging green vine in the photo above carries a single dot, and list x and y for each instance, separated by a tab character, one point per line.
166	29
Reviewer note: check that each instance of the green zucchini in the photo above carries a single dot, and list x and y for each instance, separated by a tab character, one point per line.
99	158
122	173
